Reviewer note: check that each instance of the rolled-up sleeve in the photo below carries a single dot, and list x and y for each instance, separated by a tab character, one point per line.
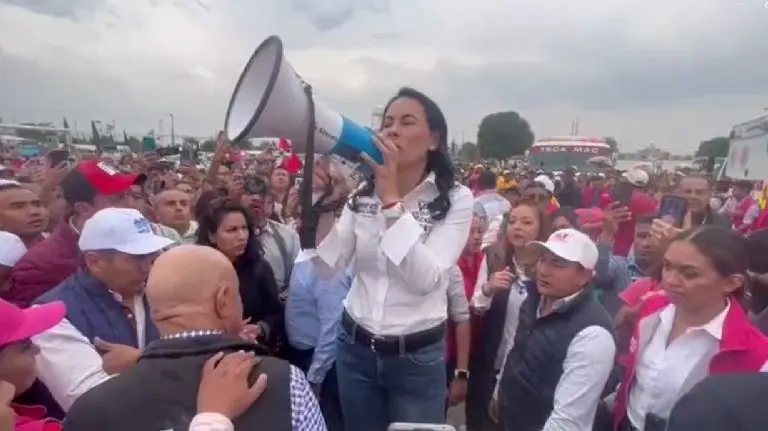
426	265
338	247
480	302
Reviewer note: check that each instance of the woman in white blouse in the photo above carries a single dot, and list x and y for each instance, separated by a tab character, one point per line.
401	234
695	329
498	297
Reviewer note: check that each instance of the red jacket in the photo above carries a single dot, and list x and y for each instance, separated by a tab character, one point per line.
743	348
762	221
32	418
601	202
44	266
640	204
741	210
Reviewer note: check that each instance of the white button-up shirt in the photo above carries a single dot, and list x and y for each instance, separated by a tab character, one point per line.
69	365
664	373
401	272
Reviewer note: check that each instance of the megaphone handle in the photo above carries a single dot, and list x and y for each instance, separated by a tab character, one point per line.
309	219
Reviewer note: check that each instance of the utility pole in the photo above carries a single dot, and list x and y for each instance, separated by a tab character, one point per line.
173	130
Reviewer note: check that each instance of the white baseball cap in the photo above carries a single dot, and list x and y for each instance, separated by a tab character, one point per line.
546	182
573	246
121	229
637	177
12	248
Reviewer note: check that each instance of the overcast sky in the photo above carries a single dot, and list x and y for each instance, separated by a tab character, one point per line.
674	74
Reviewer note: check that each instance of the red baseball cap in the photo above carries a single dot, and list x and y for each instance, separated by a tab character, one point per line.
18	324
106	179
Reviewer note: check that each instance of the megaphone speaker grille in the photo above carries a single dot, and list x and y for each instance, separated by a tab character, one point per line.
253	88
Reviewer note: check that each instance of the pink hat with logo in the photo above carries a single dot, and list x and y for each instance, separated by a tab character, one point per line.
18	324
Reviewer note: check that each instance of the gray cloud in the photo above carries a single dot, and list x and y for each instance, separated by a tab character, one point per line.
671	85
327	15
28	93
69	9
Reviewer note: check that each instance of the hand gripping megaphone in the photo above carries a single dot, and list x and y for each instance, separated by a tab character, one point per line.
271	100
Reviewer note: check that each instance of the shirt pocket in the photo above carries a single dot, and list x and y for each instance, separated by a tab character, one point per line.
368	232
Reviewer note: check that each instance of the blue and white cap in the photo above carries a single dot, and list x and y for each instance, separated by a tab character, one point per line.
121	229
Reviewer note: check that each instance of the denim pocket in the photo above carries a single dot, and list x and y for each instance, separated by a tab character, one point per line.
429	355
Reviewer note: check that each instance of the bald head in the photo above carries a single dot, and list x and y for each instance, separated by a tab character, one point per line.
187	280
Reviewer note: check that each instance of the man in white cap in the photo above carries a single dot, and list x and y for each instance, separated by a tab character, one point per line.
564	347
541	190
640	204
107	319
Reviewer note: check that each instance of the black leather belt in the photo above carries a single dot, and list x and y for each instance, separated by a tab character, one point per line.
392	344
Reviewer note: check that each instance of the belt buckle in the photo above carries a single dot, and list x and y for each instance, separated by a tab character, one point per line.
374	339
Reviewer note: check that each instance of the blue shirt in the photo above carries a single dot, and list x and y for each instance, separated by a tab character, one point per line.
619	271
313	315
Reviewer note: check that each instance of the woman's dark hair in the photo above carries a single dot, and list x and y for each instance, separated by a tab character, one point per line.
502	253
726	249
204	202
438	160
567	213
757	244
211	219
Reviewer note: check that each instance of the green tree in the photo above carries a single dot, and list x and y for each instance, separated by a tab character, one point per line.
134	144
191	142
469	152
208	146
504	134
612	143
453	148
714	147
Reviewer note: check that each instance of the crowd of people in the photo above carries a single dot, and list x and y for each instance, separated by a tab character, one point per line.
142	295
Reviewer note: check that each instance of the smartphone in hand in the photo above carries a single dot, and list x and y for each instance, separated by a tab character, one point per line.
672	210
622	193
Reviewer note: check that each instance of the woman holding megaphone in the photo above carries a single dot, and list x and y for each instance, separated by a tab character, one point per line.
401	232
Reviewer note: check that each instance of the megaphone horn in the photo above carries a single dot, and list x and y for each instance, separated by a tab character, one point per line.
270	101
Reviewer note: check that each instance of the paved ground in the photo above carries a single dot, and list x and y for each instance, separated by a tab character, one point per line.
456	417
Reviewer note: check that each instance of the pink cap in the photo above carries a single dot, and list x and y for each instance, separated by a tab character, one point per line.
18	324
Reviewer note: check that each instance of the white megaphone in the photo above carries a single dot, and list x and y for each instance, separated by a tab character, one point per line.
270	101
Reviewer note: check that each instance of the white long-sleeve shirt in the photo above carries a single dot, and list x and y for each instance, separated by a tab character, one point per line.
586	368
401	272
69	365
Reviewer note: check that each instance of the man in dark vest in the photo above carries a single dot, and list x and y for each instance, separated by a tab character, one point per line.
197	308
564	347
107	322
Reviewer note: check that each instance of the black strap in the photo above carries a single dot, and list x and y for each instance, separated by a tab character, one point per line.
309	218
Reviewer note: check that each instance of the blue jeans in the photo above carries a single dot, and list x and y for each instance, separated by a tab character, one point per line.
377	390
